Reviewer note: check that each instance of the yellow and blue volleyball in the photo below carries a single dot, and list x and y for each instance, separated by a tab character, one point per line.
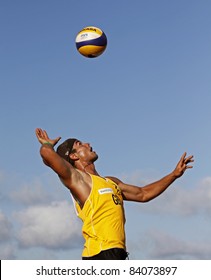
91	41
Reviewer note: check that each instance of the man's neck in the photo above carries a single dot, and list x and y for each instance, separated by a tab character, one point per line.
88	168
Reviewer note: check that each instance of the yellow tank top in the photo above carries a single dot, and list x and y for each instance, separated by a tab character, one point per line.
103	217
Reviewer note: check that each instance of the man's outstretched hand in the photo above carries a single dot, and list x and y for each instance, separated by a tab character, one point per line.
183	165
43	138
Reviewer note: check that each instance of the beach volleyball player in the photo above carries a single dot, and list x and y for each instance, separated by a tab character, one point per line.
98	199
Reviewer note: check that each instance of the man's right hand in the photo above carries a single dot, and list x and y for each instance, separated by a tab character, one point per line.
43	138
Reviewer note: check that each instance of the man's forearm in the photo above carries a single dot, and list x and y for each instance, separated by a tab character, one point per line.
155	189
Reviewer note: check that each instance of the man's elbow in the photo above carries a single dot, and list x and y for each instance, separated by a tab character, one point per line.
144	197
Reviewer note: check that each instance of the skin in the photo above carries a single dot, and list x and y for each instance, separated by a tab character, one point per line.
78	180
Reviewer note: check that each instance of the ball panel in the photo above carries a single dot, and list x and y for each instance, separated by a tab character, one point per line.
86	37
91	51
91	29
101	41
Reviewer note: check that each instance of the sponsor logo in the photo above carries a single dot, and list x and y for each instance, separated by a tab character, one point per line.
105	190
90	28
84	35
116	199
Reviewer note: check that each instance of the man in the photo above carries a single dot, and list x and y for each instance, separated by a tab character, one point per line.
98	200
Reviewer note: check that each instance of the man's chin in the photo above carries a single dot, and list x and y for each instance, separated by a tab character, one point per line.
95	158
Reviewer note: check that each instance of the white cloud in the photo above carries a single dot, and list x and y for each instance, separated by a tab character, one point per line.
186	201
31	194
179	199
159	244
39	190
139	178
7	252
166	246
54	226
51	227
183	206
5	228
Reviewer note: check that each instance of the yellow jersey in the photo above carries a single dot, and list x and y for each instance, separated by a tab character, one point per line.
103	217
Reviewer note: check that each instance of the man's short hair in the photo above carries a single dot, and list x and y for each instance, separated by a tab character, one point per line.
65	149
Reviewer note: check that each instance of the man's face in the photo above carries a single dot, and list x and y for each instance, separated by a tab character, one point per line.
84	151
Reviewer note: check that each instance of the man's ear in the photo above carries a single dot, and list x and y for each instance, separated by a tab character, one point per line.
73	156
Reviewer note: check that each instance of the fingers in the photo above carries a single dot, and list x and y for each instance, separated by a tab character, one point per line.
183	164
183	157
42	136
57	140
42	133
38	132
45	134
187	160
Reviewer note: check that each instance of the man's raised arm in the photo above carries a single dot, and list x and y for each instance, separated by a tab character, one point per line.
50	157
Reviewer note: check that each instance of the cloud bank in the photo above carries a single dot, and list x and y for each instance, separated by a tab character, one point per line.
35	216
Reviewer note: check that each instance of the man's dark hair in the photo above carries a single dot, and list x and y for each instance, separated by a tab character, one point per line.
65	149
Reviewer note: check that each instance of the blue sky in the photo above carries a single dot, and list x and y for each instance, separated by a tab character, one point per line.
141	104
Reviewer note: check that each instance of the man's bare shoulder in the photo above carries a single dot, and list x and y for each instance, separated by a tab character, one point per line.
114	179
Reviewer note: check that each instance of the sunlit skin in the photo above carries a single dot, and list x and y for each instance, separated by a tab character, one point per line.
77	178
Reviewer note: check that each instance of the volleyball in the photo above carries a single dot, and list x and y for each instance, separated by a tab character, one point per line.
91	41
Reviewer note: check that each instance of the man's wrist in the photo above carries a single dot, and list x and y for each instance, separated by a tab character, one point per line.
48	143
175	174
